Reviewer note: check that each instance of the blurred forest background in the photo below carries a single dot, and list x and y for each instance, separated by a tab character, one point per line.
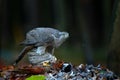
90	24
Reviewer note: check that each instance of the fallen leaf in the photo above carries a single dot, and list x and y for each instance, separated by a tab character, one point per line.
36	77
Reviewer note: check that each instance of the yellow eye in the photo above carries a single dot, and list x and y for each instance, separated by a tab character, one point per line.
46	63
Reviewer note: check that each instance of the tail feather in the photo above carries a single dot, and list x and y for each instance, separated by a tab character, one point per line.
22	54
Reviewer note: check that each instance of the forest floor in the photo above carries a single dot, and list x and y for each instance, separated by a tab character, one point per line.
57	71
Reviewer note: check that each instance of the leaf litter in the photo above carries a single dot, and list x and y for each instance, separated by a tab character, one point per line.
59	70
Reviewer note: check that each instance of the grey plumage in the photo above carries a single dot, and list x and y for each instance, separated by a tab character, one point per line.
44	40
45	37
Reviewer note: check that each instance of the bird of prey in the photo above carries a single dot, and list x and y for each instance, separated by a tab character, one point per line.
43	39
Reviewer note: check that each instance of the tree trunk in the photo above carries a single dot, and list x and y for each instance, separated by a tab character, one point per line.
114	49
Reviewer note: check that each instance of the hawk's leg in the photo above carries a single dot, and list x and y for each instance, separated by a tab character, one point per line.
52	51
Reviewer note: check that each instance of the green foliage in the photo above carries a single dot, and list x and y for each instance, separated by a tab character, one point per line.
36	77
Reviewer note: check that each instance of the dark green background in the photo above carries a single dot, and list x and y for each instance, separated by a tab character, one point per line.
89	23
